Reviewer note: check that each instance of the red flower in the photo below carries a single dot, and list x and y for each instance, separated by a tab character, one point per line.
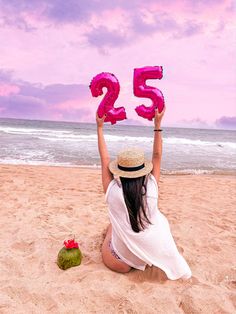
71	244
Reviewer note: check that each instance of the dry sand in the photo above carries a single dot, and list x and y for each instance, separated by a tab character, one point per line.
42	206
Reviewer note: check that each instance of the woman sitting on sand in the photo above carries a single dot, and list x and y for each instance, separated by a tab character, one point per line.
139	233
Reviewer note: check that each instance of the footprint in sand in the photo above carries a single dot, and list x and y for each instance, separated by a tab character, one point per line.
124	306
25	248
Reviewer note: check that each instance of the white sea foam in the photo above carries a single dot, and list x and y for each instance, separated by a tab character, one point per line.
67	135
189	171
48	143
186	141
30	131
12	161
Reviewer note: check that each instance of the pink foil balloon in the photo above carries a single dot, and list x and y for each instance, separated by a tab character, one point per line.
142	90
106	106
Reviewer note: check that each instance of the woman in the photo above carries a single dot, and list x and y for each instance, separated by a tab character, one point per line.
139	233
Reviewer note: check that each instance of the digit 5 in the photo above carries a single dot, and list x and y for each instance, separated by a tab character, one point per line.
142	90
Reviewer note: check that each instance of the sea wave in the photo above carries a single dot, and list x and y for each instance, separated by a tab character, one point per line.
32	131
73	136
186	141
12	161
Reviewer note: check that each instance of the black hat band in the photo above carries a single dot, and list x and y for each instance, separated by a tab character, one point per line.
130	169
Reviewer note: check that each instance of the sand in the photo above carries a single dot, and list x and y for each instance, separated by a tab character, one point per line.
43	206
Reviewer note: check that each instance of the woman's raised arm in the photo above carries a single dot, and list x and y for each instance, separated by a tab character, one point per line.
157	144
105	158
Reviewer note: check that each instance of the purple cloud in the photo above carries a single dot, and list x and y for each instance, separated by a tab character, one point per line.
190	28
204	2
193	123
73	11
101	37
57	11
55	93
17	22
70	11
231	7
131	122
22	106
165	23
76	11
34	101
81	114
6	75
226	123
162	23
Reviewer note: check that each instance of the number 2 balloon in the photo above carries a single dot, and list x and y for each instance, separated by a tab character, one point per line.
106	106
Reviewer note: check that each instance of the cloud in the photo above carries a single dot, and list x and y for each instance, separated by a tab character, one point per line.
69	11
57	11
131	122
190	28
29	15
20	99
195	123
81	114
74	10
102	37
203	3
17	22
19	106
6	75
55	93
7	89
226	123
162	22
231	7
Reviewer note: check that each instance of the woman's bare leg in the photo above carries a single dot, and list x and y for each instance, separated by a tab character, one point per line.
108	259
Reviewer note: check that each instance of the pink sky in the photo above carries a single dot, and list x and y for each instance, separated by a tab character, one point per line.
50	51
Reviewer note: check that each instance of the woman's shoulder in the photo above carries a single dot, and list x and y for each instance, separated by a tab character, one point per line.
152	186
114	183
151	178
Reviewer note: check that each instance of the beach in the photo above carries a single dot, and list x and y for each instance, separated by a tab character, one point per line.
41	206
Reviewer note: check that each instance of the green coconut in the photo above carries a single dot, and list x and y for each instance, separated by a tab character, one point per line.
69	258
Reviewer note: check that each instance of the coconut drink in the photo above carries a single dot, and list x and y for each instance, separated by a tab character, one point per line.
70	255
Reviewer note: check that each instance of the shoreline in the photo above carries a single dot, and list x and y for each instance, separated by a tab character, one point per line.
163	172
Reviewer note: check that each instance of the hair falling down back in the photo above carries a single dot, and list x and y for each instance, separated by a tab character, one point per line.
134	191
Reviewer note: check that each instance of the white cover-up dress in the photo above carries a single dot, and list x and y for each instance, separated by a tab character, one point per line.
154	245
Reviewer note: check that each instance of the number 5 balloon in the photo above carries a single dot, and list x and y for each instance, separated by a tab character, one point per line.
142	90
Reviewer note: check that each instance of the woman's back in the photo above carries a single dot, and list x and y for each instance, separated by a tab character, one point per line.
154	245
117	206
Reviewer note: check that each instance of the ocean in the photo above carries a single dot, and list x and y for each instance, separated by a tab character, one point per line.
185	151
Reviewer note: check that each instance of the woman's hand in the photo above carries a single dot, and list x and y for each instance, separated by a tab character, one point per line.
100	121
158	117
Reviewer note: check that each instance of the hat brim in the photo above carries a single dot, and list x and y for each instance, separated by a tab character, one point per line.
113	167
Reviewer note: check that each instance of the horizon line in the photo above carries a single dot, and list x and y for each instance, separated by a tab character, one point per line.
139	124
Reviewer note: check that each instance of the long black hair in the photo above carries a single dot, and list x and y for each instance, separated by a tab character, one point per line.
134	191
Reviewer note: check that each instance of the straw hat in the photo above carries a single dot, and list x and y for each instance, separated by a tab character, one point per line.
130	163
